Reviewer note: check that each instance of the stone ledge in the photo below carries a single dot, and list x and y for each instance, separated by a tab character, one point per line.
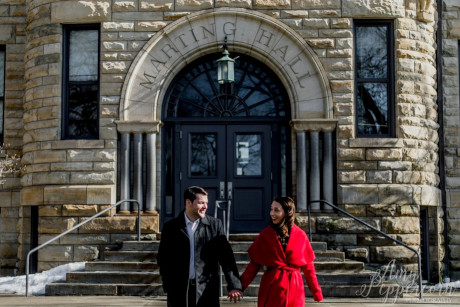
376	142
68	194
307	125
120	224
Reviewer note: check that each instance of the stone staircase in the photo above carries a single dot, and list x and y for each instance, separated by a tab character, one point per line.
133	270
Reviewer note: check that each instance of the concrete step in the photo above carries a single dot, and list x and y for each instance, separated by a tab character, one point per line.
330	256
343	277
133	271
130	255
348	265
140	245
327	266
69	289
333	278
72	289
121	266
154	289
113	277
340	291
237	245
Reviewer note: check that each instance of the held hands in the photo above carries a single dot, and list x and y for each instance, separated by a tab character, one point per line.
235	295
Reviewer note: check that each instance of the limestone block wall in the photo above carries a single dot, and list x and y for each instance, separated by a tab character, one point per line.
88	242
386	181
13	37
451	60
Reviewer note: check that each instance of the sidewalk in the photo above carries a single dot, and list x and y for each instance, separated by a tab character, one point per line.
432	299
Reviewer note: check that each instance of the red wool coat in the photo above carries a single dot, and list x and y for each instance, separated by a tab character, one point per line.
282	284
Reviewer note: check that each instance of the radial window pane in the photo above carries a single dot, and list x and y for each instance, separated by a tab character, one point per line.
257	91
248	155
83	55
203	154
371	51
372	108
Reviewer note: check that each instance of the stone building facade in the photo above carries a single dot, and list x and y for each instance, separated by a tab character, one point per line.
405	183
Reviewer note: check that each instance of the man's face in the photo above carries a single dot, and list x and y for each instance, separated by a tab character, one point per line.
196	209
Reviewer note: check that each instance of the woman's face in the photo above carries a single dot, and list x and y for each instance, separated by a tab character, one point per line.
277	213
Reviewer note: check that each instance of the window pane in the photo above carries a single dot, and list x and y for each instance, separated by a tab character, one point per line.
248	155
203	154
1	118
372	108
82	109
83	52
371	52
2	73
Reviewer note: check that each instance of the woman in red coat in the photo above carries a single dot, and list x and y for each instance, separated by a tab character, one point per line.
284	249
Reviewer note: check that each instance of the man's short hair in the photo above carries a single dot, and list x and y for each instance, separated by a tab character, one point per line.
190	193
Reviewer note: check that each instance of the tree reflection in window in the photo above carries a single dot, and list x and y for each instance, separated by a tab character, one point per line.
374	89
203	154
2	87
248	155
257	91
81	81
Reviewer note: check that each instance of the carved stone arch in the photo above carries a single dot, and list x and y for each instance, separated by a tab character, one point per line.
201	33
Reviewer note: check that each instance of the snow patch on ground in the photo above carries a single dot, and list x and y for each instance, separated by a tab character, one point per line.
38	281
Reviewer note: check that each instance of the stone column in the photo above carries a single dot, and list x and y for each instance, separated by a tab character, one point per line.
150	130
315	174
328	171
151	173
313	127
124	172
137	176
301	172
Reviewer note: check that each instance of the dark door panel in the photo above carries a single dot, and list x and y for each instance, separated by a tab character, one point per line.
233	163
202	156
249	171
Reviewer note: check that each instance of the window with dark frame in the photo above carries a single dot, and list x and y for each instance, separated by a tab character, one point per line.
2	89
80	119
374	78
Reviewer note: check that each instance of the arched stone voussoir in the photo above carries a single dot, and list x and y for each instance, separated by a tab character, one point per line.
202	33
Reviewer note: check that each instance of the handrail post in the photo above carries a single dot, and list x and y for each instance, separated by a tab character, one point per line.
78	226
226	224
309	221
385	235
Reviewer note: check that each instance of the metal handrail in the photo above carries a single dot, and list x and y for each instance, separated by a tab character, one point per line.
80	224
226	214
226	222
375	229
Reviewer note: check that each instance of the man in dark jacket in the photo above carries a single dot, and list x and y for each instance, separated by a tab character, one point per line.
191	248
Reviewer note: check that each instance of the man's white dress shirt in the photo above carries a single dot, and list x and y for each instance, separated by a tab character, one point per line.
191	228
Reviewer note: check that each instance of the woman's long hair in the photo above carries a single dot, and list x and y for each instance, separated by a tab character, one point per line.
283	229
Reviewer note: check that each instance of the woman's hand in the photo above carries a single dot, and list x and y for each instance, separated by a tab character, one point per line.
235	295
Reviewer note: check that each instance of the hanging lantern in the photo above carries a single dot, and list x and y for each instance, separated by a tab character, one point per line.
225	67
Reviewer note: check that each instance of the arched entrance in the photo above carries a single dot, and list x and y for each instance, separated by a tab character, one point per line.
232	142
198	36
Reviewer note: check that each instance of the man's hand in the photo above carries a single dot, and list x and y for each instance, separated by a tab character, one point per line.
235	295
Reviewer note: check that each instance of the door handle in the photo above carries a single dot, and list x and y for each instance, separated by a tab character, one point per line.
222	190
229	190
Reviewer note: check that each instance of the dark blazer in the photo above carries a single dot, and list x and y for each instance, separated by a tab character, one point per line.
211	249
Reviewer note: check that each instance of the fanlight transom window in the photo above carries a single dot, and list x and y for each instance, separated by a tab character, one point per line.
257	92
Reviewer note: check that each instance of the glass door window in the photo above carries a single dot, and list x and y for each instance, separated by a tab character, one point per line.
248	155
